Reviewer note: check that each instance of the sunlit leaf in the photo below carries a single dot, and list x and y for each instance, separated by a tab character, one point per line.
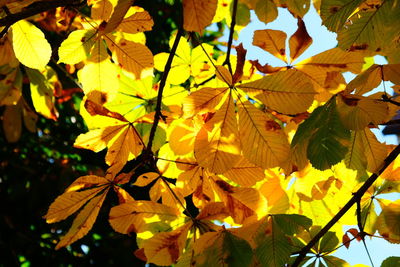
30	45
198	14
263	141
299	41
76	47
138	22
217	146
272	41
287	92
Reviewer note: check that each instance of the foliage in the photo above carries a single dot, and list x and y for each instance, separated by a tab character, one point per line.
214	159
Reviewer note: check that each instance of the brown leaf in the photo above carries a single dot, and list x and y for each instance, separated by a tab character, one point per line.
96	109
241	57
299	41
198	14
267	69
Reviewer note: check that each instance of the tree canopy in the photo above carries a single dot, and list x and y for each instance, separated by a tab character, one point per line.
136	132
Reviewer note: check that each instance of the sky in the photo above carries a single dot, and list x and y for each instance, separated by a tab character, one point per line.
323	40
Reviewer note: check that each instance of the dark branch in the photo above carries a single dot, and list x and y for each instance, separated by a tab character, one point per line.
230	40
34	9
385	98
356	197
158	113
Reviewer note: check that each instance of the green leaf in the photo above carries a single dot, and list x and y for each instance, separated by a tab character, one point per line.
328	243
391	262
292	224
332	261
227	250
334	13
326	136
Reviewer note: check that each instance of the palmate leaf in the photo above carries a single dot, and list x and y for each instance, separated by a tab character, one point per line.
101	10
88	191
263	141
371	29
198	14
84	221
287	92
326	136
272	41
30	45
217	146
299	41
245	173
241	202
202	101
140	216
118	15
222	248
388	224
115	132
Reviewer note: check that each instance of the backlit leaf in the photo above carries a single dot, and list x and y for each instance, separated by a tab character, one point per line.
217	146
138	22
334	13
117	16
263	141
198	14
266	11
299	41
136	216
287	92
83	222
76	47
272	41
30	45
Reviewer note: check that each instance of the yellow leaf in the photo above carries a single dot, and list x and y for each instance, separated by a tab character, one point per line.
263	141
42	91
138	22
182	137
202	101
388	221
198	14
278	201
69	202
287	92
272	41
136	216
100	76
76	47
165	248
366	81
357	112
12	124
241	202
101	10
245	173
217	146
30	45
118	15
146	178
132	57
84	221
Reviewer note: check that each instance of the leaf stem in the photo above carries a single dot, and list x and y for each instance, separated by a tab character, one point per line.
357	195
230	40
158	113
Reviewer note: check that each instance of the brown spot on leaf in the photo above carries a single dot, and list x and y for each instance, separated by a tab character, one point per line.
333	9
272	126
350	101
358	47
224	186
208	116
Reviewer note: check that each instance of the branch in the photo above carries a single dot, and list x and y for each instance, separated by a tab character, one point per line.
158	113
385	98
302	254
34	9
232	30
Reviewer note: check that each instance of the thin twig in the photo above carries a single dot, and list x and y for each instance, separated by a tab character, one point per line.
158	113
389	159
361	233
230	40
385	98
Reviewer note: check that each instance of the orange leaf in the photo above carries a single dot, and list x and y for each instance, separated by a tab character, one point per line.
241	57
272	41
138	22
198	14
